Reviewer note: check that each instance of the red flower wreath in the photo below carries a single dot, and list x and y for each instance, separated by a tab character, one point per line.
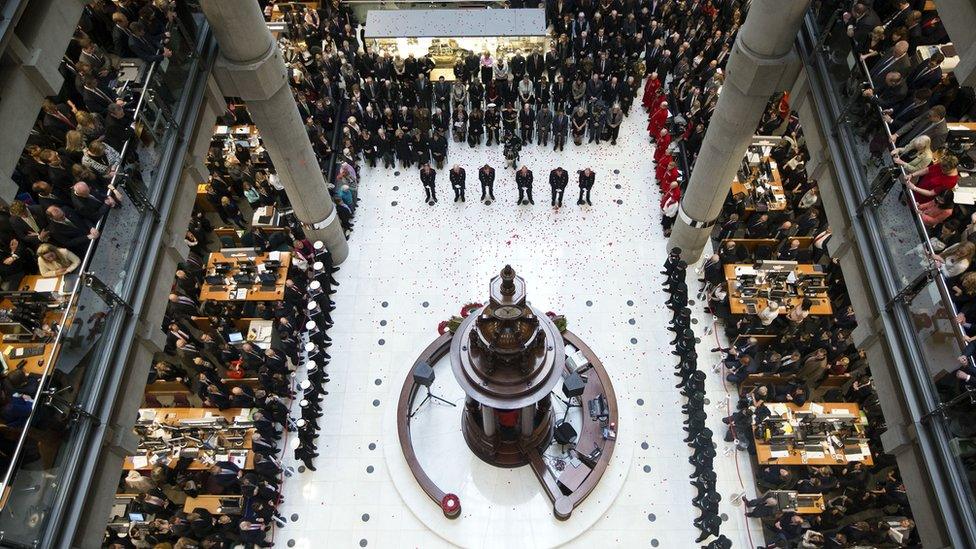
451	505
442	328
469	308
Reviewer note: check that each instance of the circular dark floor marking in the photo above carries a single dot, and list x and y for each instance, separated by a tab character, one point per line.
619	201
396	188
630	303
697	340
397	173
385	304
376	402
294	517
647	468
617	172
652	517
633	340
632	322
655	542
589	303
382	342
691	302
644	446
617	185
694	321
394	203
640	402
706	402
362	542
365	517
372	445
382	323
291	543
425	304
725	517
301	468
369	469
378	381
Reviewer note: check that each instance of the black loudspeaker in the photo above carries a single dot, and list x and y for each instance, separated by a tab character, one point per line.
564	433
423	374
573	385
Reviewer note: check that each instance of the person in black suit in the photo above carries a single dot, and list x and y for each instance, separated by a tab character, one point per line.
70	230
88	204
427	176
58	120
457	177
586	179
560	129
558	179
486	175
523	180
97	98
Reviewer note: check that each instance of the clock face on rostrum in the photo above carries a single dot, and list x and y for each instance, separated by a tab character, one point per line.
507	313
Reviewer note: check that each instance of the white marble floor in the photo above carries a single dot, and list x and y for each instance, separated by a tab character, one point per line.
412	265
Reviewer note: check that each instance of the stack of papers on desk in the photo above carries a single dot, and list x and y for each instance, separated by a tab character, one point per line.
779	453
242	130
140	462
814	454
51	284
274	256
816	408
241	293
222	130
147	414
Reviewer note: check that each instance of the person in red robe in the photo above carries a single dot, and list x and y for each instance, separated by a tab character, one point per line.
670	202
658	119
670	176
663	142
662	167
651	91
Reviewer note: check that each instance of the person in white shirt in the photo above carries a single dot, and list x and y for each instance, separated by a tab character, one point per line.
769	314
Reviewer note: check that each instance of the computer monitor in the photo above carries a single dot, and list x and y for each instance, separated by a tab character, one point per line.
235	337
137	517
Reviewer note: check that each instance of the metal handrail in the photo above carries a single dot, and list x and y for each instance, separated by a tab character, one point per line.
926	242
72	298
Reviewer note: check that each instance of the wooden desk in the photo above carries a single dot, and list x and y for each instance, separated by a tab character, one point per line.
778	203
821	302
210	503
254	293
278	15
815	507
37	364
172	416
763	450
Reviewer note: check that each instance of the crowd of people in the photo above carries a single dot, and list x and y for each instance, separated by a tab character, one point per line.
918	100
581	87
810	358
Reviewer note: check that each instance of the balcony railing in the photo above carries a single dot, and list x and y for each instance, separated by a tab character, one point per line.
910	288
47	448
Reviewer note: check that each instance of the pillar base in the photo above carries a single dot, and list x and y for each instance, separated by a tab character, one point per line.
691	240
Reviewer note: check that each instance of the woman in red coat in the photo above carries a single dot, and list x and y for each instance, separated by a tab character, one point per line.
651	90
658	119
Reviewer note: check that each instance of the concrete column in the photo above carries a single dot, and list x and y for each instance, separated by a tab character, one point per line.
488	420
250	67
762	62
